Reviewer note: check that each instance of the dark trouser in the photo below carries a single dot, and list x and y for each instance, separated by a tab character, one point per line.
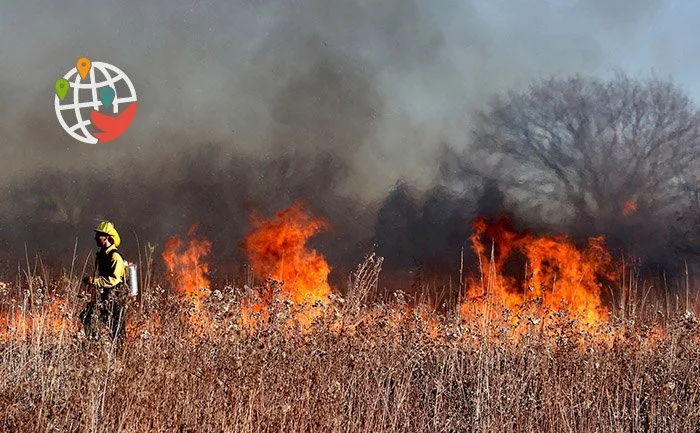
110	310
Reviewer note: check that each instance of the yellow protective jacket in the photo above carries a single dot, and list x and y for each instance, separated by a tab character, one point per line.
110	268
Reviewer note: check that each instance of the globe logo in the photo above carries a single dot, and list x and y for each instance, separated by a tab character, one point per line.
95	102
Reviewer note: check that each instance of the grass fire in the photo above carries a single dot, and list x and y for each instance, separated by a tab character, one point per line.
349	216
282	350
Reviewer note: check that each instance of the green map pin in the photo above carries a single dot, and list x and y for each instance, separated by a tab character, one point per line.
62	86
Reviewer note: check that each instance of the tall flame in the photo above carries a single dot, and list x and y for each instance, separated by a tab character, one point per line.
276	248
187	269
562	277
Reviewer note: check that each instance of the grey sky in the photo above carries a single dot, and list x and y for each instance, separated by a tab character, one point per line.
218	71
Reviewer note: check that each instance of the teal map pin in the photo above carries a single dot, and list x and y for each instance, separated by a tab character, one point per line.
62	87
107	96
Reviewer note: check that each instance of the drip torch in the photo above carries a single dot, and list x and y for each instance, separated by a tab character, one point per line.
132	278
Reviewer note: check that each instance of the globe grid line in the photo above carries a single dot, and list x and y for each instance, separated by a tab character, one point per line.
77	85
78	117
93	87
80	125
90	104
88	86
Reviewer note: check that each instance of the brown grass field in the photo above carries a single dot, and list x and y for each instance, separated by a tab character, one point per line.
352	367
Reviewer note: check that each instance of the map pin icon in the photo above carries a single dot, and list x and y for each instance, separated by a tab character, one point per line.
62	87
83	64
107	96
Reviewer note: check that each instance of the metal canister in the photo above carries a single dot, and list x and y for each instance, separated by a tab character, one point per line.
133	279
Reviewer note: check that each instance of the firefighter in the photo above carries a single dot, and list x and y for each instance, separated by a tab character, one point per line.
109	292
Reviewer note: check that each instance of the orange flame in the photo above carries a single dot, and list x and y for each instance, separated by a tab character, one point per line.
188	270
558	276
629	207
276	248
50	319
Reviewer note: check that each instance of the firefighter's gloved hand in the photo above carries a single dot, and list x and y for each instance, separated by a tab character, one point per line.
88	280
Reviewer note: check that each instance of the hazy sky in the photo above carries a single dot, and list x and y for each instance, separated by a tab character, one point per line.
217	71
314	99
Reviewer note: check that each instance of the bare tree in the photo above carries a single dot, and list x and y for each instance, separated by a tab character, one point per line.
687	226
588	151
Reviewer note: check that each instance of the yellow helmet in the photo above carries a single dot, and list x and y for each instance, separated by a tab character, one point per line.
107	228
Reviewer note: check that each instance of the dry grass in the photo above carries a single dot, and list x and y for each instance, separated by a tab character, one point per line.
387	368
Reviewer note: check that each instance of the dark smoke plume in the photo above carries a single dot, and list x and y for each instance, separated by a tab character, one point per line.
362	109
